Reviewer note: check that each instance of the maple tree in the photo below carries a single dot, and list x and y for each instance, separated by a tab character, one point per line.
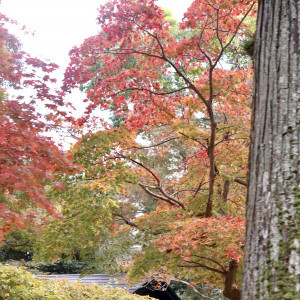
28	159
172	162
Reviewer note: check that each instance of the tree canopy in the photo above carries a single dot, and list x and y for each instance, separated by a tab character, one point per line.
161	185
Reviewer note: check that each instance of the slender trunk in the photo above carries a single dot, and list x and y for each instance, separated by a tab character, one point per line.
226	190
212	166
272	250
230	290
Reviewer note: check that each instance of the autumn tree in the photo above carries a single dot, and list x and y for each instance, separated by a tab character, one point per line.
272	240
179	136
28	159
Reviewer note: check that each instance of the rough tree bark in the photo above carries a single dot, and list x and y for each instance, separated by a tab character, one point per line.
272	250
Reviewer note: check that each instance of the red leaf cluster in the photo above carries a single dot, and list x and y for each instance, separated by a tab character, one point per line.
28	159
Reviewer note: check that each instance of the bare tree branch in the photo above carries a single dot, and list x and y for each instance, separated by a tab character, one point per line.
165	197
141	165
195	191
212	260
124	51
199	187
193	139
150	91
13	245
126	220
158	144
156	195
240	181
194	264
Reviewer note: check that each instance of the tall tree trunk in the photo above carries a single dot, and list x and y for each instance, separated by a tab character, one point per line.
272	251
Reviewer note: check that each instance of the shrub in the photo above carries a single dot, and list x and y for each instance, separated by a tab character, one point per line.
8	253
63	267
16	284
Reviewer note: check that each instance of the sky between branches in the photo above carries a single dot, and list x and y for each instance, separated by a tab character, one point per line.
61	24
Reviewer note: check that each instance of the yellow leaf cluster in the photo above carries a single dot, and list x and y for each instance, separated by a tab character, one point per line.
16	284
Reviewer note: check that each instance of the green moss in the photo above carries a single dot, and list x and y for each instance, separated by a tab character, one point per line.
269	285
286	281
268	260
290	129
297	193
296	202
289	296
281	283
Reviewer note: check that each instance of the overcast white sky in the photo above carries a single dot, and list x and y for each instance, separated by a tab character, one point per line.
61	24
